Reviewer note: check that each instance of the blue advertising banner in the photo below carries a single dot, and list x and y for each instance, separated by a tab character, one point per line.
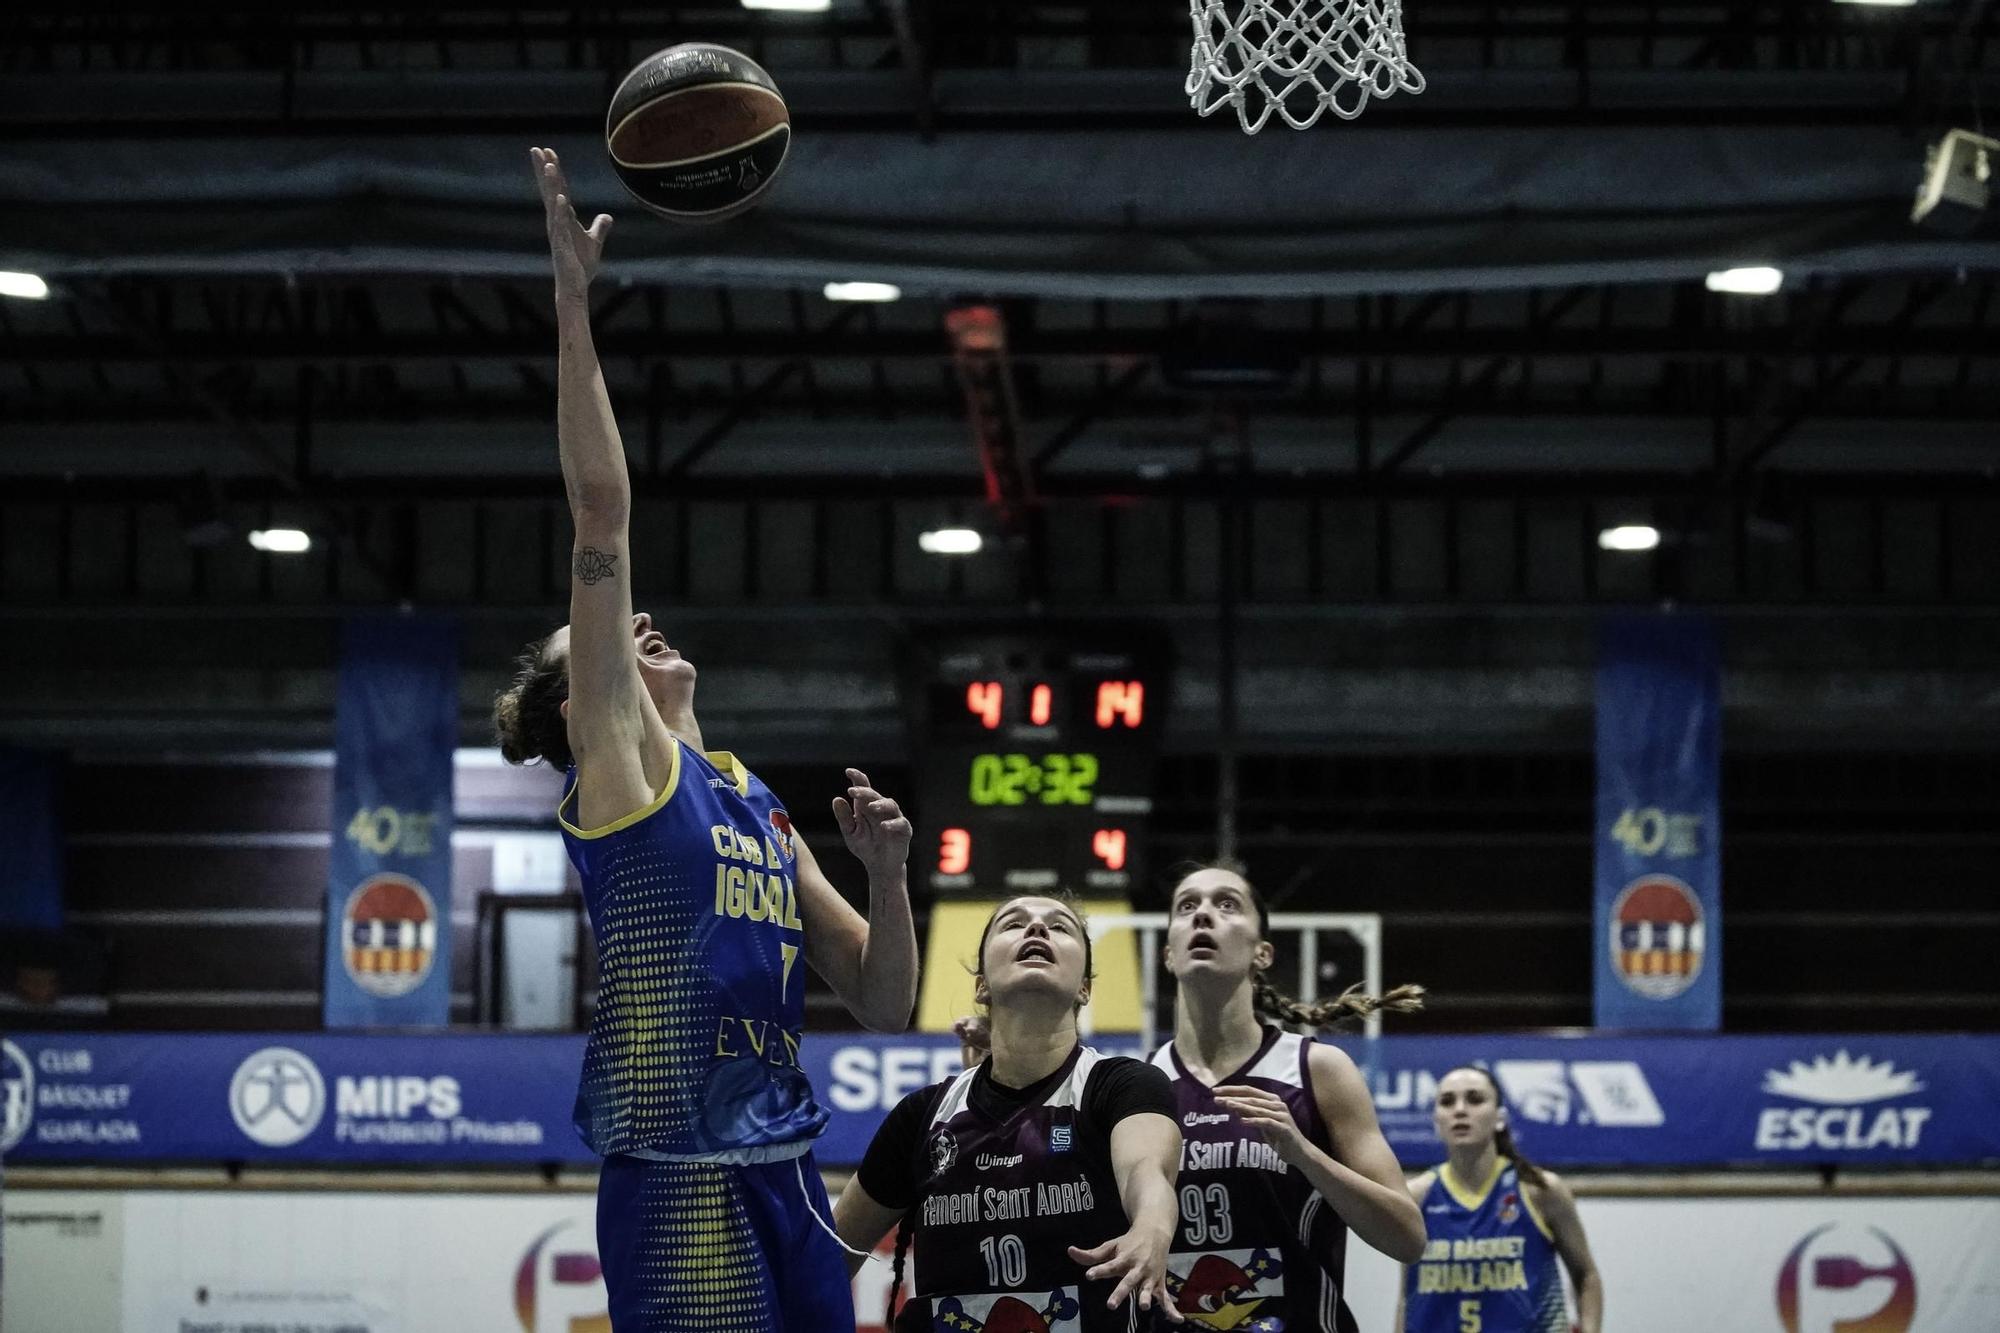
309	1098
1658	937
388	903
31	840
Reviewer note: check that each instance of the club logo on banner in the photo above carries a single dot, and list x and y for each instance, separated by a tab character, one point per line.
1658	920
17	1082
1656	937
388	893
277	1097
561	1286
390	925
1832	1282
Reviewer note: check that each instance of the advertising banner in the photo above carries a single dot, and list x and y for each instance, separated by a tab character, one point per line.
1879	1100
1658	936
233	1261
388	905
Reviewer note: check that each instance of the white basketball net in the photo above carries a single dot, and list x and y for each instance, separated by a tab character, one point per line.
1297	58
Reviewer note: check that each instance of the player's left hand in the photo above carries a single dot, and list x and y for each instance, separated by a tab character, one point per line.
1266	1113
1138	1259
874	826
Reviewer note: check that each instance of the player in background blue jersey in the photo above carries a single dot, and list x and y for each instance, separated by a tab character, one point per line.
1497	1225
711	1215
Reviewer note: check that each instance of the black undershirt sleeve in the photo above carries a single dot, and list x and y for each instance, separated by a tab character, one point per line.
1120	1087
889	1168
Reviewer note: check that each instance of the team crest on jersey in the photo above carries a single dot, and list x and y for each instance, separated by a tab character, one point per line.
1510	1208
1008	1312
943	1152
1224	1288
781	824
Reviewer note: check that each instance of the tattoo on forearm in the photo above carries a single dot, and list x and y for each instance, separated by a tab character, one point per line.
593	565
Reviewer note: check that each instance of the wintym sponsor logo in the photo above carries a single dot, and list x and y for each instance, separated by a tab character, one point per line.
988	1161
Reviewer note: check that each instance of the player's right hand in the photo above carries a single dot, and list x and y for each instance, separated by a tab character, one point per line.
574	249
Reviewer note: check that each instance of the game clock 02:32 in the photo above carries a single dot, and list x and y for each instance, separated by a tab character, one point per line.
1036	757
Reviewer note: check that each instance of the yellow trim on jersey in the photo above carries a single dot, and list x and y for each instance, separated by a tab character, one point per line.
732	768
666	794
1541	1224
1470	1198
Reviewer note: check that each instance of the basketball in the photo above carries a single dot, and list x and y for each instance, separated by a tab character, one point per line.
697	132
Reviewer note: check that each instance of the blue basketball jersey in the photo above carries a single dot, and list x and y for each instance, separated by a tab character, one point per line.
693	1052
1490	1264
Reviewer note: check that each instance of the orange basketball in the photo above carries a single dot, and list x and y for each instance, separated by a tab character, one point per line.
698	132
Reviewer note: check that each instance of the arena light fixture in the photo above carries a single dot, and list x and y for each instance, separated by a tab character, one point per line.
281	541
1886	4
791	6
1753	281
1629	537
950	541
863	291
25	286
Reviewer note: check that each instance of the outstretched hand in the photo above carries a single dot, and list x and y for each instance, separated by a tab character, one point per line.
874	826
574	249
1138	1259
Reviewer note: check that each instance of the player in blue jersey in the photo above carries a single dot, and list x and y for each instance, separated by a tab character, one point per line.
711	1215
1497	1225
1283	1152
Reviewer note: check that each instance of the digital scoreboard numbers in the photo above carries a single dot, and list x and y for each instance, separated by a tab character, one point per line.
1036	760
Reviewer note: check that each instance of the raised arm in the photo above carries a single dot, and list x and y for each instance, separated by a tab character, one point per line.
622	748
1559	1211
1145	1158
871	963
1360	1179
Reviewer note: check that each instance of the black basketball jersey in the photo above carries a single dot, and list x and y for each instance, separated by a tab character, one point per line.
1003	1202
1259	1250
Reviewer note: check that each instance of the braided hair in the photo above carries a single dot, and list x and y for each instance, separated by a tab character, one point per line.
1267	1001
905	1229
1503	1135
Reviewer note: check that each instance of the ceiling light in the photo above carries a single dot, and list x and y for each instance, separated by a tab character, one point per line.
1746	281
863	291
794	6
950	541
1900	4
1629	537
281	541
24	285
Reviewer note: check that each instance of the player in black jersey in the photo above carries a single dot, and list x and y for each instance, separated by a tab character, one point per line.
1283	1154
1037	1186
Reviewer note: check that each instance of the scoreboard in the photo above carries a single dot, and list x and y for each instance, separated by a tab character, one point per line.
1036	755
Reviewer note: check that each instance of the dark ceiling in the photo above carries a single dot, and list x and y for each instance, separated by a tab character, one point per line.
1449	440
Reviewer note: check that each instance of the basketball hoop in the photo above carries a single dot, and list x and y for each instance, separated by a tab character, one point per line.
1297	58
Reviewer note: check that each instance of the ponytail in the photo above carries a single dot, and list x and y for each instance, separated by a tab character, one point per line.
1269	1002
1503	1143
904	1230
